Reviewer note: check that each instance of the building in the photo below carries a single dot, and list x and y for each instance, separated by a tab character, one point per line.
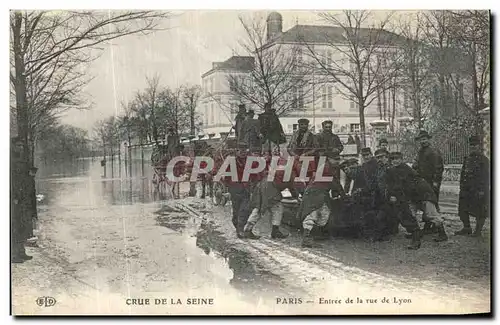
218	103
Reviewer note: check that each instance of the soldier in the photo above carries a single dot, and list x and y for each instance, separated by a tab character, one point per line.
302	141
266	199
239	191
474	189
240	117
21	222
327	140
251	132
386	219
314	209
271	130
399	180
383	144
418	191
429	165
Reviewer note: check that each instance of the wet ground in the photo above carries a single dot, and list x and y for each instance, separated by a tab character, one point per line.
103	240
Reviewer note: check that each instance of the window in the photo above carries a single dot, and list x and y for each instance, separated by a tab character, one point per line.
353	104
355	127
212	85
327	97
406	99
297	98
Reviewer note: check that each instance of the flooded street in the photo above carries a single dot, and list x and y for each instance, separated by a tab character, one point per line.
114	245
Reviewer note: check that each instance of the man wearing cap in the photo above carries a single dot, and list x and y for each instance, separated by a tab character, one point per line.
240	117
302	141
239	191
250	132
266	199
383	144
314	209
271	130
429	165
385	220
474	198
406	185
327	140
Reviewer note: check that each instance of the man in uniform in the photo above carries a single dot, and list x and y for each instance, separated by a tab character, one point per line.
383	144
271	130
239	191
251	132
327	141
418	191
474	196
302	141
266	200
429	165
315	205
399	180
21	219
240	117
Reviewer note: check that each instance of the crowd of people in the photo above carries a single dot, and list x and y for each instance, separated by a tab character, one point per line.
381	190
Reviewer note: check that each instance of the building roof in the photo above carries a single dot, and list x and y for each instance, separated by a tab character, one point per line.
234	63
329	34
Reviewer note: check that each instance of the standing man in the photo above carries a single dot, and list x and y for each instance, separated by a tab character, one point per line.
240	117
239	191
251	132
474	198
429	165
271	130
327	141
21	220
302	141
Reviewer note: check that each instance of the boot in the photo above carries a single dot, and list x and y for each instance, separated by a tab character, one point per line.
250	235
277	234
410	236
479	227
465	231
307	240
428	229
415	240
441	234
24	256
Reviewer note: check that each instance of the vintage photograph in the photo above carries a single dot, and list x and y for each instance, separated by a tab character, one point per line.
250	162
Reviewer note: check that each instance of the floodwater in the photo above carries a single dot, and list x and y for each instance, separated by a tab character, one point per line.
85	184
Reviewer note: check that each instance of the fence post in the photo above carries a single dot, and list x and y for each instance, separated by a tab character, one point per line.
379	131
485	114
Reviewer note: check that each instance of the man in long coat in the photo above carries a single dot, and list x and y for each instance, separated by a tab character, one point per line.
250	130
302	143
327	141
474	198
429	164
271	130
240	117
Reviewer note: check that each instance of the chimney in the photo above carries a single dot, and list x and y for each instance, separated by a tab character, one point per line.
274	25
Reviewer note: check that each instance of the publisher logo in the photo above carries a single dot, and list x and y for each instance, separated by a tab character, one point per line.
45	301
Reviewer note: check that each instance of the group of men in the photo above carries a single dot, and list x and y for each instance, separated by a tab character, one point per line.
383	190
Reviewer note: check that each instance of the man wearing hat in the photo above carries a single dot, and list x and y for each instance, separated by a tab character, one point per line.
405	185
271	130
327	140
314	209
474	198
251	132
429	163
302	141
240	117
239	191
383	144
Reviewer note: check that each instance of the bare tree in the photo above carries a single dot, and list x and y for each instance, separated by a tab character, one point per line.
278	76
44	45
366	63
191	96
417	71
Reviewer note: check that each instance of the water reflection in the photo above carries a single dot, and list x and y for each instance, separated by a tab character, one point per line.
118	182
